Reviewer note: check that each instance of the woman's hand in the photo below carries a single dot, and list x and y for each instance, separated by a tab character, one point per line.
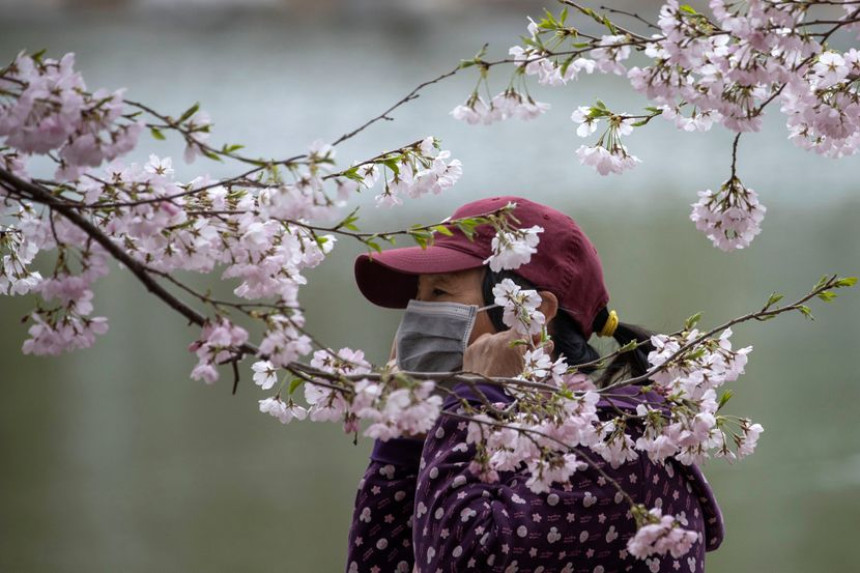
493	354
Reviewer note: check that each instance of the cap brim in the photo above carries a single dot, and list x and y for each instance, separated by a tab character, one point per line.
390	279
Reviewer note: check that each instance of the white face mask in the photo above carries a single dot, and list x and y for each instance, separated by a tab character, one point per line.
433	336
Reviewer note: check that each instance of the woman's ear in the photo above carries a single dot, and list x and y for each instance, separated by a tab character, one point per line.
548	305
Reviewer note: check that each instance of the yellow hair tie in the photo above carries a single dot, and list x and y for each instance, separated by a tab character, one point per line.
610	325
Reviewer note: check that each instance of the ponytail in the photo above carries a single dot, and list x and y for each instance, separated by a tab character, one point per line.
632	363
568	338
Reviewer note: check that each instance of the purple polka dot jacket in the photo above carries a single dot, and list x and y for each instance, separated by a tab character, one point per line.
420	508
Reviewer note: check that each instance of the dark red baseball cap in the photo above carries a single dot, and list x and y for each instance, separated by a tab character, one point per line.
566	263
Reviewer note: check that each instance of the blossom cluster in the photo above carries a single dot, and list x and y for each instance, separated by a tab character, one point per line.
68	325
389	409
542	443
758	51
416	171
701	70
513	247
693	429
16	277
660	534
520	307
509	103
731	217
52	110
216	344
609	155
256	231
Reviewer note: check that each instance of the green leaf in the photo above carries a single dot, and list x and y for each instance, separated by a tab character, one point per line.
846	282
696	354
211	154
423	237
600	105
724	398
348	221
692	321
295	383
565	64
373	245
805	311
352	173
608	23
231	148
392	164
688	9
640	123
443	230
821	282
563	16
774	298
467	227
827	295
156	133
189	112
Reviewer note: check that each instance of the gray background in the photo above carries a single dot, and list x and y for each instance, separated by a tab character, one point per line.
111	459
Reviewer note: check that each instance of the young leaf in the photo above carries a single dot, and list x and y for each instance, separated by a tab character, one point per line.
692	321
827	295
774	298
296	382
724	398
156	133
189	112
211	154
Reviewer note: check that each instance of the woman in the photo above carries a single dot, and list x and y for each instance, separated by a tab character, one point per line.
419	507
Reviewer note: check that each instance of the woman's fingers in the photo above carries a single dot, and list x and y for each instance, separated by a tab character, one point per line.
493	355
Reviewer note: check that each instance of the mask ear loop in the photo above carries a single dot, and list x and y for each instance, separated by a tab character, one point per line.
472	323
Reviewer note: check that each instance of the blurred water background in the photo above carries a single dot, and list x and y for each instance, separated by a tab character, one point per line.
112	460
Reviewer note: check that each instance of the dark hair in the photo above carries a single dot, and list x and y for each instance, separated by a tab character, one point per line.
568	337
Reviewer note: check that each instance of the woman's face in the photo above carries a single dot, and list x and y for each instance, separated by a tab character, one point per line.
463	287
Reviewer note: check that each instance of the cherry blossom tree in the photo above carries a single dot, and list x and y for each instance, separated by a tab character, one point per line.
277	217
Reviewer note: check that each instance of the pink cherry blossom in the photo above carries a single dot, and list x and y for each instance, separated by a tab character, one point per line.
605	161
661	534
731	217
520	307
512	248
284	412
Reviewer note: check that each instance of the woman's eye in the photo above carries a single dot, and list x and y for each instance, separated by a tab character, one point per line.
439	292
